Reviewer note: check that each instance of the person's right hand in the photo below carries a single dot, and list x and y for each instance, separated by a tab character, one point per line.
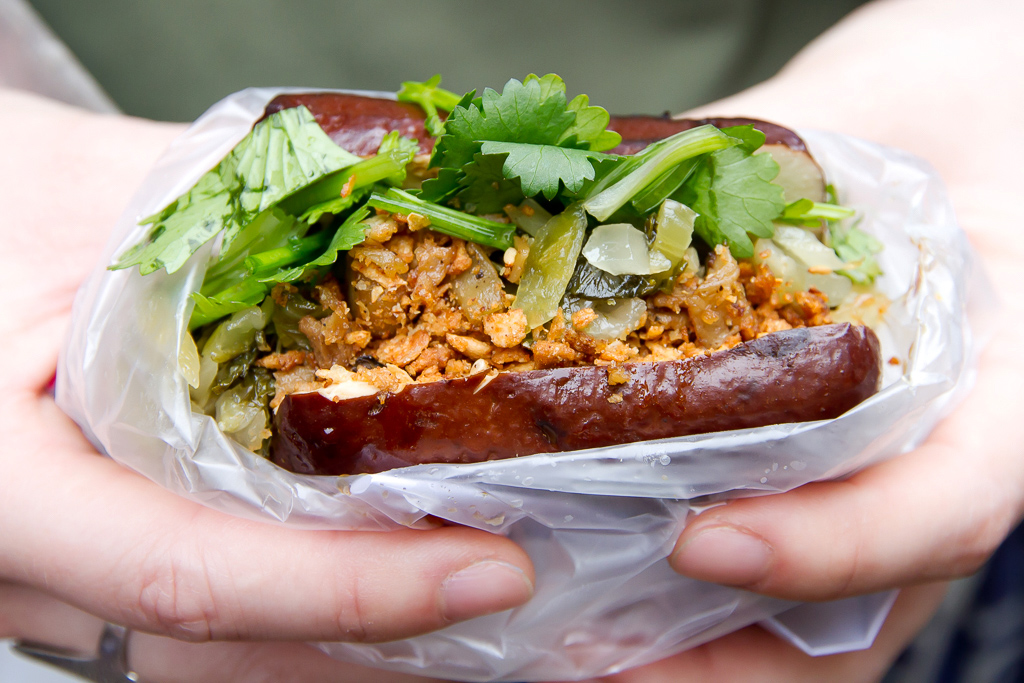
941	80
84	540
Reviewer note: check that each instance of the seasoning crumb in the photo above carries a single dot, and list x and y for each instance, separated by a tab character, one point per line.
349	186
617	375
583	317
418	222
894	361
820	270
615	398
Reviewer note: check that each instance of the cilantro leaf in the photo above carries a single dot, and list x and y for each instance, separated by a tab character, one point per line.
283	153
533	125
733	194
539	168
750	138
484	187
445	186
591	124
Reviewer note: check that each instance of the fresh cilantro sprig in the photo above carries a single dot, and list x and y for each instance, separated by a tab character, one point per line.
430	97
544	144
283	153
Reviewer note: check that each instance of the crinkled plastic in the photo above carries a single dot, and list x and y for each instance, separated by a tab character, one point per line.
598	524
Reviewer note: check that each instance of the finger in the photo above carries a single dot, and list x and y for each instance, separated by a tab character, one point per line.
31	615
122	548
753	655
162	660
935	513
92	165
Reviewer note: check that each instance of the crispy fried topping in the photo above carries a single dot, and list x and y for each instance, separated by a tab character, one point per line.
506	329
401	309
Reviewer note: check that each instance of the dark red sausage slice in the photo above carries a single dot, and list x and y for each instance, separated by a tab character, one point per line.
791	376
358	123
639	131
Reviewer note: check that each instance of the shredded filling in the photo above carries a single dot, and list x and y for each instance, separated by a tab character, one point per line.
420	306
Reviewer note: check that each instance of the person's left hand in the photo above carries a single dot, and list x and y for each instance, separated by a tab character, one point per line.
212	598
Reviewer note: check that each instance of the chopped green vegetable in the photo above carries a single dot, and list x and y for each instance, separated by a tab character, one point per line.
266	268
431	97
857	249
674	231
550	265
271	230
810	214
530	217
349	234
664	187
448	221
647	167
235	298
296	251
588	282
732	190
283	153
621	249
337	205
236	334
346	188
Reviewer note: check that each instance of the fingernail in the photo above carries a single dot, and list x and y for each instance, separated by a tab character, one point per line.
484	588
725	555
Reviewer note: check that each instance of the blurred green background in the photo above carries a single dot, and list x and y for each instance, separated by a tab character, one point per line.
171	59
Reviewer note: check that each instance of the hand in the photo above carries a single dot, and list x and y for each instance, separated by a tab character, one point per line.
939	80
84	540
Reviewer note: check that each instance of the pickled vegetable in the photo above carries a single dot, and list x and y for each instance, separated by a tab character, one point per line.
675	231
550	265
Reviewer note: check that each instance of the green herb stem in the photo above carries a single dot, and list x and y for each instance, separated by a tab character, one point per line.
806	212
431	97
366	172
607	197
297	251
448	221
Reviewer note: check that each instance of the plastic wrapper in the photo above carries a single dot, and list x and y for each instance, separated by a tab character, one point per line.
598	524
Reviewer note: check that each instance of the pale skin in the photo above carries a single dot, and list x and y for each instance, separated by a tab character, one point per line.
939	79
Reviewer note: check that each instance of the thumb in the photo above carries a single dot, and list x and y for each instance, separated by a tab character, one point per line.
115	545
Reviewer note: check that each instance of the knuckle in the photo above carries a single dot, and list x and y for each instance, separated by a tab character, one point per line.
353	621
976	543
174	595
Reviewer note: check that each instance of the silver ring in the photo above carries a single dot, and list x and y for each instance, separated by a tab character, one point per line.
108	665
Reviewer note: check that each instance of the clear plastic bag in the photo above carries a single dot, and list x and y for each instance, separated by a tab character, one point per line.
598	524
